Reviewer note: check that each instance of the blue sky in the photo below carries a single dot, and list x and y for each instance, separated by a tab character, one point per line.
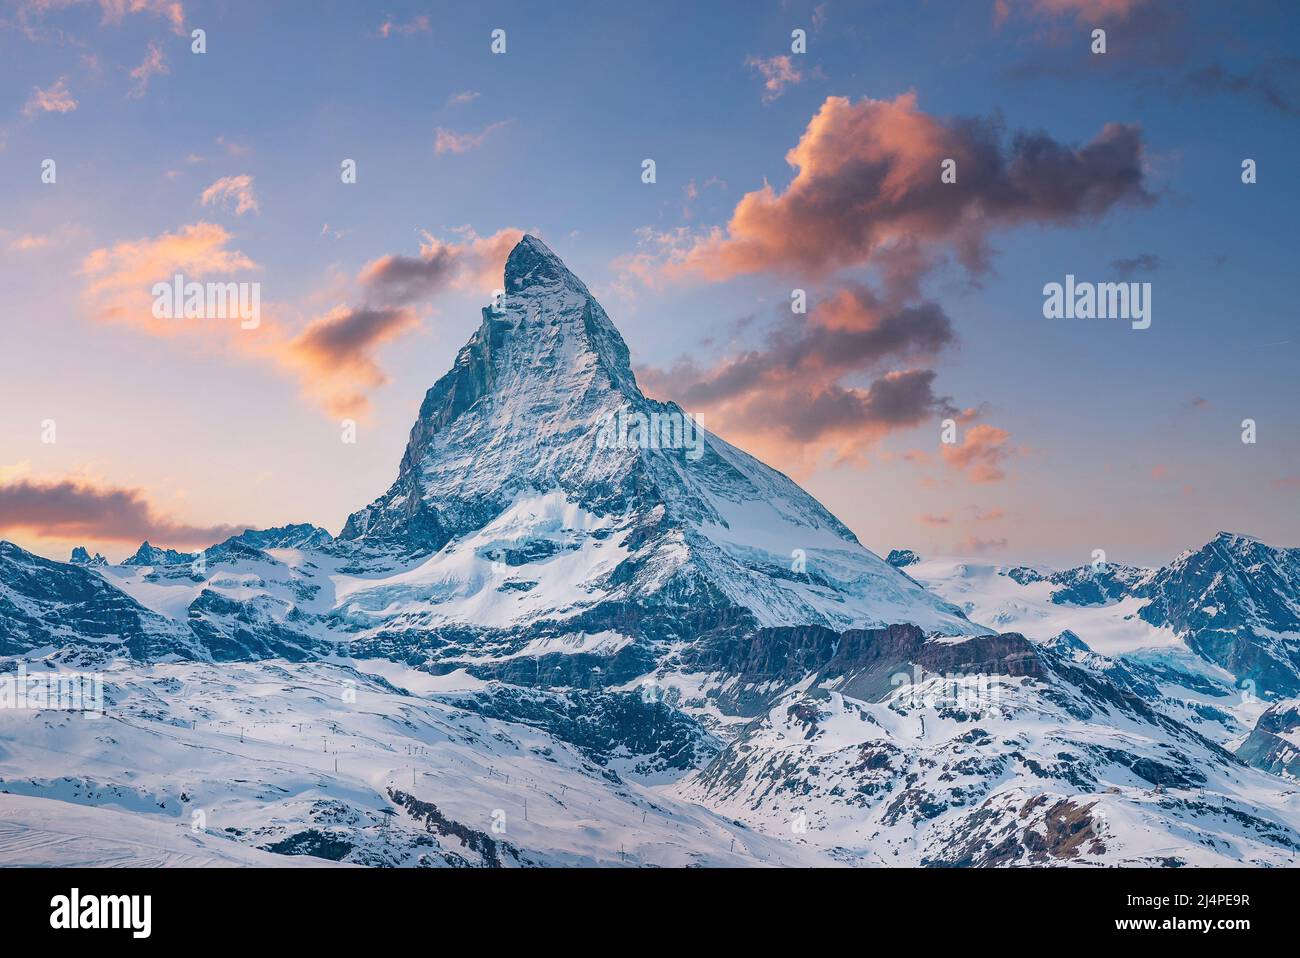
1109	437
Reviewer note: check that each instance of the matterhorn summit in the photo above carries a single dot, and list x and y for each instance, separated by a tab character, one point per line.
541	489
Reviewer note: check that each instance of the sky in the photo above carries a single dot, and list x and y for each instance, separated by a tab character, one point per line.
778	166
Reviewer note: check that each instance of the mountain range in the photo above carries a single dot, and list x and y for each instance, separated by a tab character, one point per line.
557	640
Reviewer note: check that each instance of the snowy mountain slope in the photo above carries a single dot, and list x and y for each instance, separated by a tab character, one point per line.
47	606
1274	742
1045	605
1153	660
44	833
254	747
1056	766
1235	603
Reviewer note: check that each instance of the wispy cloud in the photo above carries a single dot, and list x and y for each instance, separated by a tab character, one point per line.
449	141
778	72
1131	266
114	11
391	28
1089	11
974	545
981	453
53	99
153	65
233	189
472	262
1276	83
334	357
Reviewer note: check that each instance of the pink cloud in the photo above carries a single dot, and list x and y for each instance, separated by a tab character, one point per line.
114	11
974	545
867	184
54	99
980	454
792	397
152	65
72	509
449	141
120	277
334	357
1081	10
391	28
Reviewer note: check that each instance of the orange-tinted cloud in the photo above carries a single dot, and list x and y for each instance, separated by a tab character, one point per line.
868	181
475	262
334	357
73	509
974	545
121	276
930	519
54	99
153	65
1081	10
981	453
114	11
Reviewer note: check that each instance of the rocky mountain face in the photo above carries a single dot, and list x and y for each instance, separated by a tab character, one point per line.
1274	743
1042	759
1237	601
72	613
576	595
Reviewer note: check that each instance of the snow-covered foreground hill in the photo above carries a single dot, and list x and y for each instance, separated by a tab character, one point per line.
371	763
199	763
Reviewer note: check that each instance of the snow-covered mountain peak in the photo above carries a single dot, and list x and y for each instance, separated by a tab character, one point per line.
542	400
532	265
